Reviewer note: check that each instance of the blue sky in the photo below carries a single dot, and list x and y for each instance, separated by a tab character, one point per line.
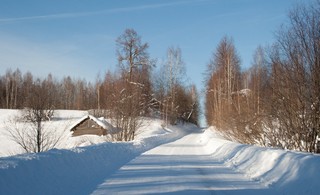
77	37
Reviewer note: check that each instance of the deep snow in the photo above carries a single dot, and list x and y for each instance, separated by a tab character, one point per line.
59	125
281	171
182	160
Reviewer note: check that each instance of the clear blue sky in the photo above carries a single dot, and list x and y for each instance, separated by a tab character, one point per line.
77	37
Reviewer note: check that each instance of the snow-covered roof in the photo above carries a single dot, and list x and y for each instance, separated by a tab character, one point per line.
245	92
101	122
242	92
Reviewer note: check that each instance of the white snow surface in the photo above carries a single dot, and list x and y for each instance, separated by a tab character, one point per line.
182	159
59	125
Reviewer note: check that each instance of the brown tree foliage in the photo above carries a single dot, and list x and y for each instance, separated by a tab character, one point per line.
222	85
296	78
133	89
277	102
68	93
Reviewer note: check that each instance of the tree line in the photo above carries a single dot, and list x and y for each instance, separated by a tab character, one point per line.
17	90
277	101
136	89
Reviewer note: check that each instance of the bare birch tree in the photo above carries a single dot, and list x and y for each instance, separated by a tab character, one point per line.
28	131
133	99
296	78
222	82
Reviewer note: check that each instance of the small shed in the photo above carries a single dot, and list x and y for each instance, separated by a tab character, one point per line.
91	125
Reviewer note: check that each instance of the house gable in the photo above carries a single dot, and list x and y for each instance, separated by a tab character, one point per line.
88	125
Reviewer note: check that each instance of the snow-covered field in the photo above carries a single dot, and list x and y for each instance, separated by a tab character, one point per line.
180	160
60	124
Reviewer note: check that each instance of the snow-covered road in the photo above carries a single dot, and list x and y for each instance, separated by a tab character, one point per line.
184	166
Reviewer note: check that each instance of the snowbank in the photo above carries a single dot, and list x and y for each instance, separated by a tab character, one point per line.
285	171
78	170
59	126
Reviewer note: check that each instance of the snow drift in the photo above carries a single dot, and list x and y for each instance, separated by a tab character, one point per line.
286	172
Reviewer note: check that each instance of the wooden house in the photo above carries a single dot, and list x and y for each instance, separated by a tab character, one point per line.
92	126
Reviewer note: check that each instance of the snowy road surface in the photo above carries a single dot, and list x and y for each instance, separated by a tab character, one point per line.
184	166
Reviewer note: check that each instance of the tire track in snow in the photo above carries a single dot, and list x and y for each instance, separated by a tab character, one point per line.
184	166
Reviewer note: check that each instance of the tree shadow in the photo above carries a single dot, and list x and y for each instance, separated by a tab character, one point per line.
178	174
